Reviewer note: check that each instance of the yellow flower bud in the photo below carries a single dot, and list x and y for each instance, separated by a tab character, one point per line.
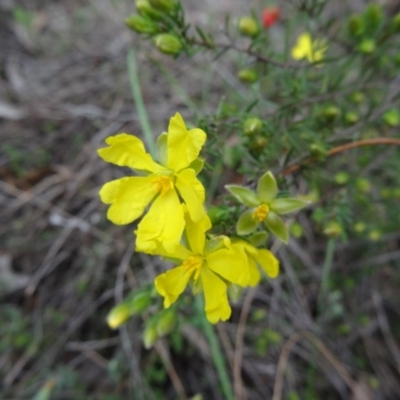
248	26
360	227
252	126
140	24
248	75
118	315
375	235
168	44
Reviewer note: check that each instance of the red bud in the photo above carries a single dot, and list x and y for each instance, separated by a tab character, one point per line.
270	16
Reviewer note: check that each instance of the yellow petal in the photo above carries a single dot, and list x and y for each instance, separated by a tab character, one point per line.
189	189
164	222
183	146
129	197
303	47
268	262
128	151
217	306
250	251
171	284
231	264
195	232
155	247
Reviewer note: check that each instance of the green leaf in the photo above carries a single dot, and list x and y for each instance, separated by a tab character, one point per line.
246	224
245	196
275	224
285	206
267	187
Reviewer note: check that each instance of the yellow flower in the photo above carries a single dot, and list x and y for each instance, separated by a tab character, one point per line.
307	48
210	265
162	184
261	257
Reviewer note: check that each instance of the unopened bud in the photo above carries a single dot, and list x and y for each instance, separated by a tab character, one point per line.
248	75
118	315
252	126
392	117
168	44
351	117
357	97
163	5
318	150
296	230
217	214
166	322
373	16
144	8
150	336
375	235
258	144
396	23
356	26
360	227
333	229
363	185
140	24
341	178
248	26
367	46
330	113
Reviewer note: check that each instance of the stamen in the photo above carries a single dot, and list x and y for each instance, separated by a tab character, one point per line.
163	184
260	213
193	265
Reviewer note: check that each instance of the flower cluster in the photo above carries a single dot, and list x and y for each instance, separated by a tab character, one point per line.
170	199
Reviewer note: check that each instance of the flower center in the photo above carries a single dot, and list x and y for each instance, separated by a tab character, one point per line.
260	213
163	184
192	265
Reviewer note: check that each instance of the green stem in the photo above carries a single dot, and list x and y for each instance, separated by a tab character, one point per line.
330	252
216	353
140	106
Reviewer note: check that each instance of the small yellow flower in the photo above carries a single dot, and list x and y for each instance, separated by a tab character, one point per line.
162	184
307	48
210	265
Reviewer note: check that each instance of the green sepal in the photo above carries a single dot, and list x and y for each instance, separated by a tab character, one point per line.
166	322
197	165
258	239
216	243
267	187
286	206
161	148
246	224
245	196
275	224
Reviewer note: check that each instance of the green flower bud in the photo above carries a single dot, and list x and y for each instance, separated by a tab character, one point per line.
351	117
360	227
296	230
235	293
144	8
252	126
386	193
396	193
373	16
150	336
375	235
168	44
258	144
163	5
395	23
318	150
357	97
363	185
333	229
392	117
331	113
356	26
248	26
248	75
341	178
367	46
140	24
166	322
